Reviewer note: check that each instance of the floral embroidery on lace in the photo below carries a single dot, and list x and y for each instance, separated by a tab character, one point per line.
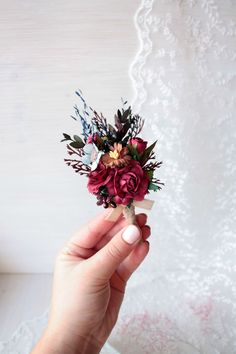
185	81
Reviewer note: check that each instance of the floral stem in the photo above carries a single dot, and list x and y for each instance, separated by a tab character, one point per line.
129	214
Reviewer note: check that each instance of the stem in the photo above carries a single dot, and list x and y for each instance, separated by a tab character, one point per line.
129	214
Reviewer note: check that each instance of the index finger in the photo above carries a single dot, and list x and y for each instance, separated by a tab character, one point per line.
91	233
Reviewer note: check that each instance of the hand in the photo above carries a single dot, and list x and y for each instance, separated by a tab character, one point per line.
89	284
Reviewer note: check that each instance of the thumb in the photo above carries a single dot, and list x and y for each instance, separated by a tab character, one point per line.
107	259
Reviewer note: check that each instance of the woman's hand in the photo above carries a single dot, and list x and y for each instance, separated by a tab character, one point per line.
89	284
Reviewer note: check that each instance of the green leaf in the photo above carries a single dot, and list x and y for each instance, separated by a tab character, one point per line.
153	187
76	145
145	155
103	190
150	174
133	151
66	137
79	141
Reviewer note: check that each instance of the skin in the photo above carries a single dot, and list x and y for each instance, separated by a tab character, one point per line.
89	285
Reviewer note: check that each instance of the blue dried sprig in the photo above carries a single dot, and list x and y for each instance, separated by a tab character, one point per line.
83	115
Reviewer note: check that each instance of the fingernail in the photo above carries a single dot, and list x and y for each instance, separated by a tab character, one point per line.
131	234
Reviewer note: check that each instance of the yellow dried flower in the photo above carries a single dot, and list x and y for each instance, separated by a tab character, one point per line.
117	157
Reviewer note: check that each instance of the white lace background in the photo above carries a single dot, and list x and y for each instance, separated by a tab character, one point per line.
183	300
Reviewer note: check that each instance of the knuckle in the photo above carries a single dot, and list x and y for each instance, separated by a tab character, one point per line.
114	251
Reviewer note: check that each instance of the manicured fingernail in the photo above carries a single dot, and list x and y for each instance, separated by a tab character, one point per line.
131	234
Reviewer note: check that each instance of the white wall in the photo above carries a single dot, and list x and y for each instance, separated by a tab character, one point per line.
48	49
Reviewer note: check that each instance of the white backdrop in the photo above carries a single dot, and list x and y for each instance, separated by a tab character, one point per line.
49	49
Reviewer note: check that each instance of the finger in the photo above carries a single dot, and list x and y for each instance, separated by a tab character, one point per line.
123	272
106	261
73	249
133	261
76	252
92	232
141	220
146	232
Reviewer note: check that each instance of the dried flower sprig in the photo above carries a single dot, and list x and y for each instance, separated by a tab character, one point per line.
78	166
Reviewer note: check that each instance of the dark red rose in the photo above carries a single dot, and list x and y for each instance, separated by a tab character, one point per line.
128	183
99	177
140	144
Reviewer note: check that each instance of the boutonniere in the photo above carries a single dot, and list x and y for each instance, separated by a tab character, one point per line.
118	163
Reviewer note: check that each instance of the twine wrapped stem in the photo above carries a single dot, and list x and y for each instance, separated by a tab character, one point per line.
129	211
129	214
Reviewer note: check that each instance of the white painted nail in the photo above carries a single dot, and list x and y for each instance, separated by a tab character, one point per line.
131	234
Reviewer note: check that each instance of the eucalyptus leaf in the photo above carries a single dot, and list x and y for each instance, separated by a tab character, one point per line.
66	136
76	144
79	140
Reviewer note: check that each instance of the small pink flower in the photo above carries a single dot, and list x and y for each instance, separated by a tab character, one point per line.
91	138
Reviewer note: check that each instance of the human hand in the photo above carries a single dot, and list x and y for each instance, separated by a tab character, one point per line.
89	284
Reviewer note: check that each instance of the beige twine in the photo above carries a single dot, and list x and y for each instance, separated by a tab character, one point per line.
129	214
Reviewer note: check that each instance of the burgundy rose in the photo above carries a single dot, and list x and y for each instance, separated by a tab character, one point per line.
140	144
99	177
128	183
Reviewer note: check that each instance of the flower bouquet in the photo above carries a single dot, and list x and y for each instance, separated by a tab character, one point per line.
119	164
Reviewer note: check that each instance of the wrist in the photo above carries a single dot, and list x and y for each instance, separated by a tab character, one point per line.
52	343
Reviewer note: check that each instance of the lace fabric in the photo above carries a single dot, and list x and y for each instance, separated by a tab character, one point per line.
183	300
28	333
185	79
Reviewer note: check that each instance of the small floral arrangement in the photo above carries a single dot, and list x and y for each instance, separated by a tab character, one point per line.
119	164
